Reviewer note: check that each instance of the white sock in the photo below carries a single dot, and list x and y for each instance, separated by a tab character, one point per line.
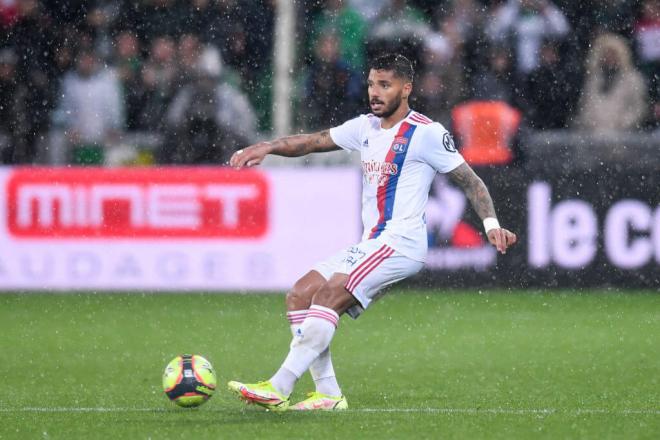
321	369
283	381
296	318
311	339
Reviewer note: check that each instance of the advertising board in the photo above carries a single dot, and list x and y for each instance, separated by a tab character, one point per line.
171	229
179	229
574	229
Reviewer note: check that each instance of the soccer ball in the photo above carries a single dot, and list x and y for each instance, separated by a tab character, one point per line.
189	380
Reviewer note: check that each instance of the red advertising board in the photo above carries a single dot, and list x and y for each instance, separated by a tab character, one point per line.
142	203
170	228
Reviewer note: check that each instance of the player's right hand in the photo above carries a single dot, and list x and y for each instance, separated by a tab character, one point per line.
502	239
250	156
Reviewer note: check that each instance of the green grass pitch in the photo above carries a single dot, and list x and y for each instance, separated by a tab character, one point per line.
420	364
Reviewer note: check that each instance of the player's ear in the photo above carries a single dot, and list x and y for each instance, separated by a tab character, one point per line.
407	90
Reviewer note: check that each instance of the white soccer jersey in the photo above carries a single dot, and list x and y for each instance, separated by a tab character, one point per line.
398	166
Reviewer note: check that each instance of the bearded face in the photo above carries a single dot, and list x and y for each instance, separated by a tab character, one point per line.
386	92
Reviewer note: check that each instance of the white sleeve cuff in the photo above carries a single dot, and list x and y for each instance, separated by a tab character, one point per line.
491	223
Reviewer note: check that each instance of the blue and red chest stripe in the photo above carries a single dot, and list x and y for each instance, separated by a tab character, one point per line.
396	154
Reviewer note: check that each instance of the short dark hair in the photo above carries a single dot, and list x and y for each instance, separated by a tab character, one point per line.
400	65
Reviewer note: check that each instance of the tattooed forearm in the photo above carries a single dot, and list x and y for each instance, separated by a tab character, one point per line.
321	138
302	144
320	142
290	146
475	190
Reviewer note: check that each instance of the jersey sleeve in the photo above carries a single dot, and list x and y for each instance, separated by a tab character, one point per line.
438	149
349	134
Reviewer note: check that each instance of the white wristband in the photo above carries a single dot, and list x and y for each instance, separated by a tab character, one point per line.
491	223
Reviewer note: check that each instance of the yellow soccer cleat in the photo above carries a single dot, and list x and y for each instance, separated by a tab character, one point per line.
260	393
321	402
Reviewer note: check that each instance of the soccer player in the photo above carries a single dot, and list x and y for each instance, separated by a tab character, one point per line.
401	152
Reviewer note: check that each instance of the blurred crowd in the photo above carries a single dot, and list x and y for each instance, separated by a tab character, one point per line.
197	74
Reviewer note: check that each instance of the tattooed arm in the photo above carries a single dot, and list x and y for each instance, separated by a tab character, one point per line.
476	191
289	146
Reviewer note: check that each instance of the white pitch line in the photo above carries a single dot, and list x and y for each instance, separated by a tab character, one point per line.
508	411
473	411
79	410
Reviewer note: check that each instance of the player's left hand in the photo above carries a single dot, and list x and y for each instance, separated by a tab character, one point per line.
502	239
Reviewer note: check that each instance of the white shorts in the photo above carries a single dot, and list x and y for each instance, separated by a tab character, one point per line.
371	266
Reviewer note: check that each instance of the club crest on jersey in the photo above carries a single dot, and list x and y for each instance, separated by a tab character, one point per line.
400	144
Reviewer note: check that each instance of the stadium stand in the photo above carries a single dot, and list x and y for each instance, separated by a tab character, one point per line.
464	50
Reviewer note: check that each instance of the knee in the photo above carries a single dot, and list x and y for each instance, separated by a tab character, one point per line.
300	296
295	300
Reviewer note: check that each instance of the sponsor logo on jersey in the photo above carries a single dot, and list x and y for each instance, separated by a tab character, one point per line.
138	203
376	173
400	144
380	167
